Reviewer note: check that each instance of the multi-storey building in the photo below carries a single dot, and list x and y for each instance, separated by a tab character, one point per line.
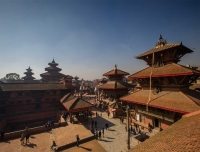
165	95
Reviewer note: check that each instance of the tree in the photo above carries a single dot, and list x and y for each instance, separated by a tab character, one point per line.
11	76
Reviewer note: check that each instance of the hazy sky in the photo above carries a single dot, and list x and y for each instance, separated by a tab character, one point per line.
87	37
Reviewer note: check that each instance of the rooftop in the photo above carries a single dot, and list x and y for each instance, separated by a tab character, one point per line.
167	70
115	84
182	102
181	136
115	71
32	86
72	103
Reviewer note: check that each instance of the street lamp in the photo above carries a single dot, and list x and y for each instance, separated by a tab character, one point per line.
128	128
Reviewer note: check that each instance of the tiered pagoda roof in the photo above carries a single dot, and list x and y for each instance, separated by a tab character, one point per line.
52	73
73	104
182	101
28	74
115	81
163	71
164	53
116	72
166	83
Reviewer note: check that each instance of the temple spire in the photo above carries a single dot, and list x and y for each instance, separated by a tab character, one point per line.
161	42
53	61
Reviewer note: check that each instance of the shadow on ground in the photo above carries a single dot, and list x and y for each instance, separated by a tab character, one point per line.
100	123
88	149
31	145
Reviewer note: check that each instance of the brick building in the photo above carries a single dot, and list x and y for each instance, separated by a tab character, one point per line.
33	104
30	104
165	95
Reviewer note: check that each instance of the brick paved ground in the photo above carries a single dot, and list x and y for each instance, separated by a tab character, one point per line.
92	145
114	140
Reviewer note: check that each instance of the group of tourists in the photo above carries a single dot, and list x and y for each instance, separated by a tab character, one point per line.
24	136
97	133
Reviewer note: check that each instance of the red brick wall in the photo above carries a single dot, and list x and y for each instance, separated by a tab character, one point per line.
19	108
165	124
148	119
23	117
3	123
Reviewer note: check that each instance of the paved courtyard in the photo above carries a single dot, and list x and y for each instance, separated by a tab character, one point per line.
115	139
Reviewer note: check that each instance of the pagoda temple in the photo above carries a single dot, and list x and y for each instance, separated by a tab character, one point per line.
165	95
52	73
114	88
76	83
28	74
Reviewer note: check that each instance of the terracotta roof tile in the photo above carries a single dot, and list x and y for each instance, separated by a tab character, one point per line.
33	86
164	47
53	68
73	103
52	74
167	70
181	136
115	72
172	101
115	85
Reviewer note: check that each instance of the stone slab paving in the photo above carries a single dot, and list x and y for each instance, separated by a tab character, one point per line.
115	139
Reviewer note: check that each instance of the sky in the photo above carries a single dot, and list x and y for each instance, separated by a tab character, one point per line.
88	37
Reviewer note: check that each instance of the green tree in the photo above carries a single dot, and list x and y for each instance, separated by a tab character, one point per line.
11	76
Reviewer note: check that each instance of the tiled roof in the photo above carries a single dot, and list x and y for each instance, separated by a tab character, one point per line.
167	70
115	72
168	100
52	74
53	68
164	47
181	136
24	86
115	85
72	103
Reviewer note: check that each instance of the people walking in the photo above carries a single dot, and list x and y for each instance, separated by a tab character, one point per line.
22	139
122	120
103	131
106	126
95	124
99	134
96	134
92	123
77	140
108	114
27	137
53	146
